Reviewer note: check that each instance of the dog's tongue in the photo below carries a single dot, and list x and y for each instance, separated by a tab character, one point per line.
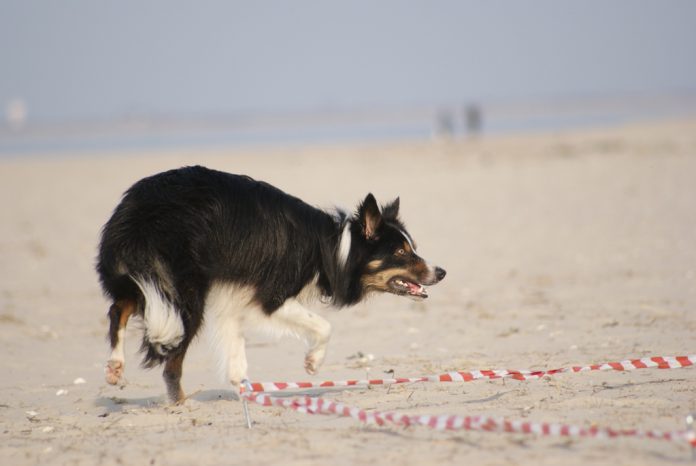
417	289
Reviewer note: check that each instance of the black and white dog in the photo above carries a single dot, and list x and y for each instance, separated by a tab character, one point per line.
195	244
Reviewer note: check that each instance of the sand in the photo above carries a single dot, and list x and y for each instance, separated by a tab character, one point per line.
561	249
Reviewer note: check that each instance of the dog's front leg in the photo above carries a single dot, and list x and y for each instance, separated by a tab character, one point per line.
310	327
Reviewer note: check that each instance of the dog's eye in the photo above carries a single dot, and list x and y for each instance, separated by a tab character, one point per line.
400	252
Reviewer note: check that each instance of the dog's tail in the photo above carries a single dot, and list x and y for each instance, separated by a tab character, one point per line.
164	329
157	303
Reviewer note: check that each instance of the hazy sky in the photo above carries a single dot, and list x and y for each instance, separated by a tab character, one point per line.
89	58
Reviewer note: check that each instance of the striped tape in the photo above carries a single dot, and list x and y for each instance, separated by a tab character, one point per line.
315	405
655	362
318	405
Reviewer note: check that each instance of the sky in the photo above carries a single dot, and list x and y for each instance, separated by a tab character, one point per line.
91	59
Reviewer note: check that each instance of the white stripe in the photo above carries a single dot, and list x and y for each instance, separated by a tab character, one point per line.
649	362
408	239
458	422
344	245
672	362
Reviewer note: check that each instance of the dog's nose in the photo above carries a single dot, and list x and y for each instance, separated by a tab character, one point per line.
440	273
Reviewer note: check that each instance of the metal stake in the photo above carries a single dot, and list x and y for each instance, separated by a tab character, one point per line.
691	434
245	403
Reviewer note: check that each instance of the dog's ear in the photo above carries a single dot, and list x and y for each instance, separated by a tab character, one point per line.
370	217
391	210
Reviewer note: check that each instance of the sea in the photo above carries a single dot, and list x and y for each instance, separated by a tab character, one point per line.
335	126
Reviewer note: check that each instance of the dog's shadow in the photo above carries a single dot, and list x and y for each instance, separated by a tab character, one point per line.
115	404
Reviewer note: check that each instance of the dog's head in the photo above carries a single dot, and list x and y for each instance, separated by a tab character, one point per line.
385	254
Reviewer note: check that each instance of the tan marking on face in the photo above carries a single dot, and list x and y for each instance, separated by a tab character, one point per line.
407	247
374	265
380	281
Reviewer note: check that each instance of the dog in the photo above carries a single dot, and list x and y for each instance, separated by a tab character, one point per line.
194	244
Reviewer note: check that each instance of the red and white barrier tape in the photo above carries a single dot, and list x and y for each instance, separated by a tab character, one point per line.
655	362
312	405
316	405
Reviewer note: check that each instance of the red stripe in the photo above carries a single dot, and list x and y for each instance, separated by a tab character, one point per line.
617	366
684	361
638	364
661	363
490	424
445	378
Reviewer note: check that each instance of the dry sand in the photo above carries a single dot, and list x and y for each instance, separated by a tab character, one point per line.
564	248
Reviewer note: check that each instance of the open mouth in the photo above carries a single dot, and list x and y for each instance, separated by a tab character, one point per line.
402	286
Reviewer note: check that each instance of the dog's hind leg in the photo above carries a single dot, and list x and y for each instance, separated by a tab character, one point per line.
119	313
172	376
310	327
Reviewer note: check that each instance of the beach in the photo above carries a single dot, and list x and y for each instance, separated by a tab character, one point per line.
564	248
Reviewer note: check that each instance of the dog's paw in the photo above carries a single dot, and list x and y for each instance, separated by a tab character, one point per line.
113	371
313	360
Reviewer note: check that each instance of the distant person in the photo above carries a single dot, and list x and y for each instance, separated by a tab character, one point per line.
444	124
472	120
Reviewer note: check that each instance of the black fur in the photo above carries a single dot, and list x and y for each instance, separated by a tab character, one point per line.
188	228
